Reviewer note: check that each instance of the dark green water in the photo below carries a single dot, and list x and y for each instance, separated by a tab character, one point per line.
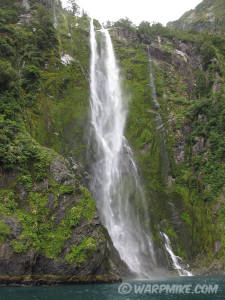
194	288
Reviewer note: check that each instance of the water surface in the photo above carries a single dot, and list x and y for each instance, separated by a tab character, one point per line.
110	292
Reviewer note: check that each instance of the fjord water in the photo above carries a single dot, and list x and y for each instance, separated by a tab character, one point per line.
111	292
116	184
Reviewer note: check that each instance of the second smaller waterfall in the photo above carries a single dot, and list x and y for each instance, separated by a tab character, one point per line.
26	4
176	260
159	122
54	15
152	82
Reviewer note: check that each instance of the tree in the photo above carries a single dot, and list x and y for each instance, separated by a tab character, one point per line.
75	7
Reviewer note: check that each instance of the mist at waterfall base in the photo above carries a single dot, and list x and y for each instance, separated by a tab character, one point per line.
113	291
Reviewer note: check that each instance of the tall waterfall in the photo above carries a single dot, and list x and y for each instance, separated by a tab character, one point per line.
116	184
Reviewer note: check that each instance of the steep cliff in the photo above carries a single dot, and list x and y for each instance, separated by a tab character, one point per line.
209	16
179	141
49	227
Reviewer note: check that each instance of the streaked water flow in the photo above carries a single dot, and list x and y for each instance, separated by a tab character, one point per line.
116	184
177	262
26	4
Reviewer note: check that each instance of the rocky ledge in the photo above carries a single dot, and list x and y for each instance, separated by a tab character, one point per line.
52	227
38	280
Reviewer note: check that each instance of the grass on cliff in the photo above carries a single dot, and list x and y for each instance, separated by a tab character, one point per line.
42	103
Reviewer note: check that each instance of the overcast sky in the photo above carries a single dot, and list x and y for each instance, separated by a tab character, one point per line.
161	11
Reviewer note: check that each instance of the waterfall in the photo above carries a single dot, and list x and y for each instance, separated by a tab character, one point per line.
26	4
152	84
55	22
115	181
159	122
176	260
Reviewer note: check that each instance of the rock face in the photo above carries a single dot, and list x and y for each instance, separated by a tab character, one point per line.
188	211
68	210
207	16
50	230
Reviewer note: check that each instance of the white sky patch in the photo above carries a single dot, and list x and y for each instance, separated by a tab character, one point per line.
161	11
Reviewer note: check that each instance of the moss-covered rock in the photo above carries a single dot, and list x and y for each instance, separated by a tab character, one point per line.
207	16
48	220
183	191
51	229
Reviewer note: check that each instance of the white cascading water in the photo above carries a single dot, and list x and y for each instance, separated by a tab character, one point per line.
152	83
176	260
159	122
116	184
26	4
55	22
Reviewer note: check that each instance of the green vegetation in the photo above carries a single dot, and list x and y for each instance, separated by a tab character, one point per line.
191	117
66	189
39	230
207	16
4	231
44	109
8	205
80	253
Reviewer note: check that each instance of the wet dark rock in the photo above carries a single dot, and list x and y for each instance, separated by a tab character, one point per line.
42	186
216	268
199	146
51	203
22	192
160	54
60	171
125	34
33	267
14	225
52	280
65	202
7	178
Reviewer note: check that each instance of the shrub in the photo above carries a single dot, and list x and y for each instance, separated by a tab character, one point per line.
80	253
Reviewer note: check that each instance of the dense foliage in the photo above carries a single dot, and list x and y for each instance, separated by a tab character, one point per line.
181	161
44	111
207	16
43	103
